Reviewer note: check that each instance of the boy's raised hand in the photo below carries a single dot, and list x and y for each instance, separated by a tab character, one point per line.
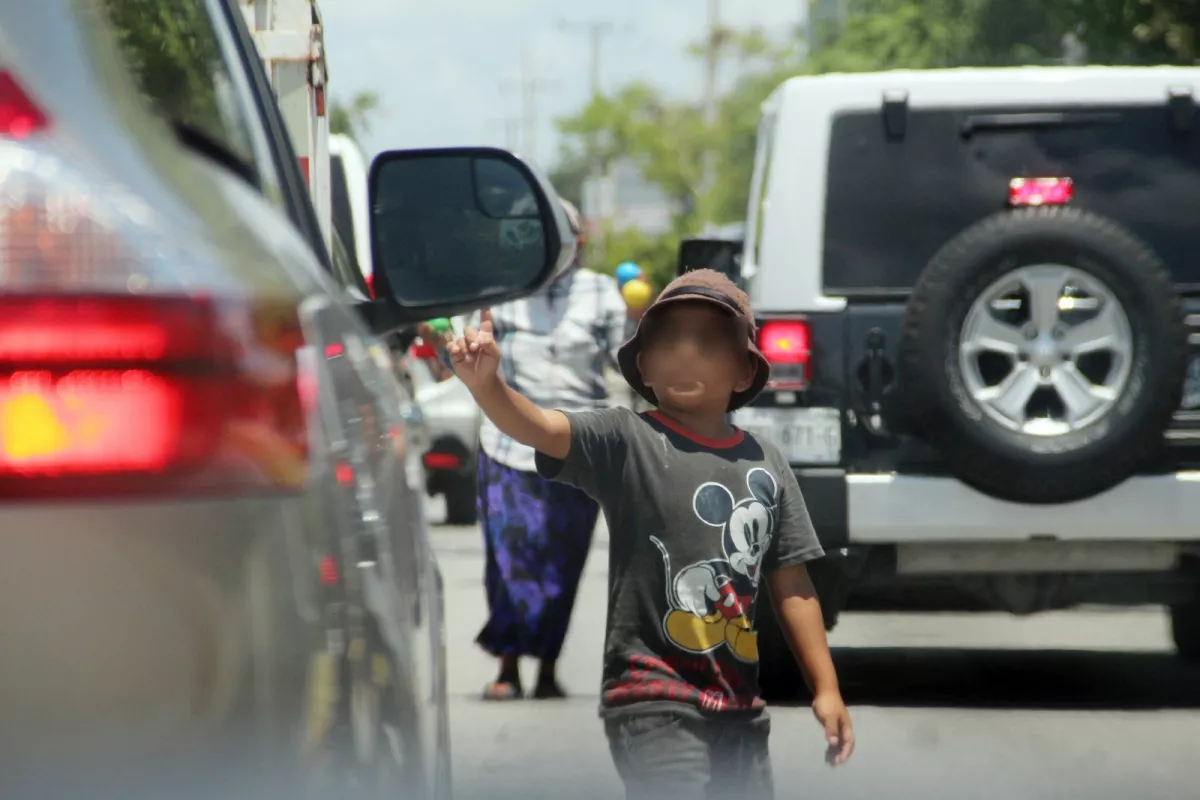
475	356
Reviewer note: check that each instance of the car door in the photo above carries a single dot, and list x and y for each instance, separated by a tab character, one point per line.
385	622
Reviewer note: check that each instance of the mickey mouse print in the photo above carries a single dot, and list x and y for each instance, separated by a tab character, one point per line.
711	602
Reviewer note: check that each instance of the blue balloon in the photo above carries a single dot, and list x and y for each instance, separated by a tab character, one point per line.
627	272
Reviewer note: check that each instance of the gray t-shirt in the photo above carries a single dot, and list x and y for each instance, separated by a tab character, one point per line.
693	525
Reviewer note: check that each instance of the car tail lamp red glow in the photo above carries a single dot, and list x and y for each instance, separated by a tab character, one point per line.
104	395
786	344
442	461
370	280
19	117
1024	192
420	349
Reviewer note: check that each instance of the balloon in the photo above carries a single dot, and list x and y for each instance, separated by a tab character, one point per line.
440	325
637	294
627	272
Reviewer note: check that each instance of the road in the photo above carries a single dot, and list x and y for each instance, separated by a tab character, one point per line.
1088	704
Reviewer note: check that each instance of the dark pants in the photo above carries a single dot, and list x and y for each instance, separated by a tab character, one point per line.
537	535
679	756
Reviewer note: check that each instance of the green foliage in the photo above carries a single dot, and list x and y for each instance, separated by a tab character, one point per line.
172	52
656	255
568	176
354	118
669	138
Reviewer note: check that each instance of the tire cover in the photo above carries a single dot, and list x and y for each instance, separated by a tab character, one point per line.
1019	466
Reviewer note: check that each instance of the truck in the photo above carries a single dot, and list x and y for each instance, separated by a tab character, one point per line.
290	37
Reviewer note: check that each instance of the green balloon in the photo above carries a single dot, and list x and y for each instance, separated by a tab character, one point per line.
441	325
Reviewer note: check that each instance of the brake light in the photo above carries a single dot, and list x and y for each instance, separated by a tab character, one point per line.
442	460
19	117
370	279
785	343
1040	191
121	394
420	349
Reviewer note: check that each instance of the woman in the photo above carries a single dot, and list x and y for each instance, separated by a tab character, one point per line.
537	533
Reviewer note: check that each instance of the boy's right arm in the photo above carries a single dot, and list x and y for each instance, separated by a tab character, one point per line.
476	360
545	431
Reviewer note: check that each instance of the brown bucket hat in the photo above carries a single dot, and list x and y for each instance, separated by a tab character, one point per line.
710	286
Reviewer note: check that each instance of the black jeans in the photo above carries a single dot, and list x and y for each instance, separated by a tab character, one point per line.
680	756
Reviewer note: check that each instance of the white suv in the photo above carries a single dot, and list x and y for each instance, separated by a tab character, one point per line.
980	295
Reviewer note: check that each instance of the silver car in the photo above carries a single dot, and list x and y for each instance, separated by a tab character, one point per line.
215	573
453	418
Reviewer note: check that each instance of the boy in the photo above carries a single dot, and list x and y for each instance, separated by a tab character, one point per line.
698	512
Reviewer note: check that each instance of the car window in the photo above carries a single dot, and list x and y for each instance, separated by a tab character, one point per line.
173	51
758	188
343	218
891	205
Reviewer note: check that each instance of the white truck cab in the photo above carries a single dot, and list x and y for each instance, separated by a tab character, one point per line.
979	292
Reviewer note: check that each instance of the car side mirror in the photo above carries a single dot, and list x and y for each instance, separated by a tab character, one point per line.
457	229
723	255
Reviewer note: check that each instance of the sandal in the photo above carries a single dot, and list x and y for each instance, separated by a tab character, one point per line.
500	691
549	690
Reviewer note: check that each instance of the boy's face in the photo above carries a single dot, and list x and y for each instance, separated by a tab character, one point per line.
694	357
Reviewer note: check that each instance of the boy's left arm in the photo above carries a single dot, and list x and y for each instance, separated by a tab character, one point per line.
800	619
799	613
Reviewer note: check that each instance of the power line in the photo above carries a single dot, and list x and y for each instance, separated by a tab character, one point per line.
715	40
595	31
530	87
512	132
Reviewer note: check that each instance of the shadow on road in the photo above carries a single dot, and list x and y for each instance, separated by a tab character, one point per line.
1043	679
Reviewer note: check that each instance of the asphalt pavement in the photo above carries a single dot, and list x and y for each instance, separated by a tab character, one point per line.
1084	704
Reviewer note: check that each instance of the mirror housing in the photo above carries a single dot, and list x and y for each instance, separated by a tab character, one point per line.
457	229
721	251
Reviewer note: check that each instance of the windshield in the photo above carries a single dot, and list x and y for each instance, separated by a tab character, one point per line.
172	50
758	195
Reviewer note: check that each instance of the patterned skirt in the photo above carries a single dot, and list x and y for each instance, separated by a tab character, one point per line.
537	535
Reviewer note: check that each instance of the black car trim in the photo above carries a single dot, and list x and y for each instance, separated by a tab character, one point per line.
825	494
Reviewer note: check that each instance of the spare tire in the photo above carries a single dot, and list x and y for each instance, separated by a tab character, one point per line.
1043	353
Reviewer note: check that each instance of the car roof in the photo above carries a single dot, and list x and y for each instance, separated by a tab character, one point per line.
990	86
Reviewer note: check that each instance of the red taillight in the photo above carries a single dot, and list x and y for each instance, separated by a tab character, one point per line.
421	350
786	346
19	117
1040	191
141	395
327	568
370	279
435	460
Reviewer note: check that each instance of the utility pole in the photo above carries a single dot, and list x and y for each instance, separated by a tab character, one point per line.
714	45
595	31
512	132
530	87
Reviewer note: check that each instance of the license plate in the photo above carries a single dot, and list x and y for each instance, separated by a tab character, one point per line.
803	435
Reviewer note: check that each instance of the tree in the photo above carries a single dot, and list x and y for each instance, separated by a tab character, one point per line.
569	176
353	119
668	138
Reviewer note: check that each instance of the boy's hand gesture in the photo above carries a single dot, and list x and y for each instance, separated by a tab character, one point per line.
475	357
830	710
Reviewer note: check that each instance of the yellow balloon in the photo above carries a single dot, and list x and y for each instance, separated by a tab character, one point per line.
637	293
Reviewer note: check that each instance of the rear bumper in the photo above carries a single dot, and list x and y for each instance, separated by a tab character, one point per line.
129	628
859	509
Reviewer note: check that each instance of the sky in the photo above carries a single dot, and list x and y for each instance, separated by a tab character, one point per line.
448	71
